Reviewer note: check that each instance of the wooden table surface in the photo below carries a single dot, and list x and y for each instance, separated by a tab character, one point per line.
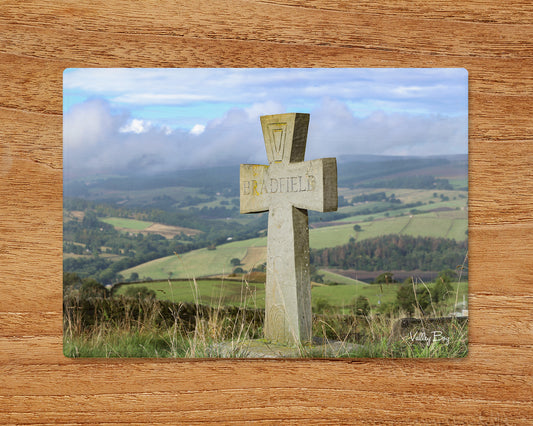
492	40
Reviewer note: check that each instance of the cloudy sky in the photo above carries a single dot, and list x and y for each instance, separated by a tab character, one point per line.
157	120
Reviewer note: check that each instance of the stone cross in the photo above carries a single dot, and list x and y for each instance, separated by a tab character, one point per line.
287	188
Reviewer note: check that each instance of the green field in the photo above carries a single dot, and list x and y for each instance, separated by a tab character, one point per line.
344	295
451	224
207	292
119	222
459	182
457	204
197	263
406	195
239	293
330	236
458	230
340	279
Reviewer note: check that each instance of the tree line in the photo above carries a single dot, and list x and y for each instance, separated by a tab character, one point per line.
393	252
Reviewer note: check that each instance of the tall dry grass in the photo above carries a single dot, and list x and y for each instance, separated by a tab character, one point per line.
145	327
122	326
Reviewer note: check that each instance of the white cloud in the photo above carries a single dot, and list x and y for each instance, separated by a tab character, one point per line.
86	124
264	108
334	129
136	126
197	129
94	142
154	120
118	143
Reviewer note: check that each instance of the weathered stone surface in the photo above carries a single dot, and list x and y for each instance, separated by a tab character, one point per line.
287	188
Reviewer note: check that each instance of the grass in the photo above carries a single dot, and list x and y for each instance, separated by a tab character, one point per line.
208	292
196	322
133	224
255	256
426	225
112	343
344	295
145	327
459	182
196	263
252	295
338	278
226	292
451	224
450	340
408	196
455	205
330	236
214	333
457	230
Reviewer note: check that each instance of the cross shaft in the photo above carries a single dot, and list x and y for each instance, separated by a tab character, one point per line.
287	188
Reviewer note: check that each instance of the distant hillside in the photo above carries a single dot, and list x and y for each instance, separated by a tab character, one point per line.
350	174
424	229
114	225
211	180
224	180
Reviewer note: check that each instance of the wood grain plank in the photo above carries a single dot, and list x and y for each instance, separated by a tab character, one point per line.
31	324
485	364
515	12
282	404
39	39
245	20
73	48
267	414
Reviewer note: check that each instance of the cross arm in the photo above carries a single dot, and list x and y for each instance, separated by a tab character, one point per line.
310	185
320	192
253	190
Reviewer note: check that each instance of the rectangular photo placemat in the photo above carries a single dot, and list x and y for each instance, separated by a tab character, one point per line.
265	213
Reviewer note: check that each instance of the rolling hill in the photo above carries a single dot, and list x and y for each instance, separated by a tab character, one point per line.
204	262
